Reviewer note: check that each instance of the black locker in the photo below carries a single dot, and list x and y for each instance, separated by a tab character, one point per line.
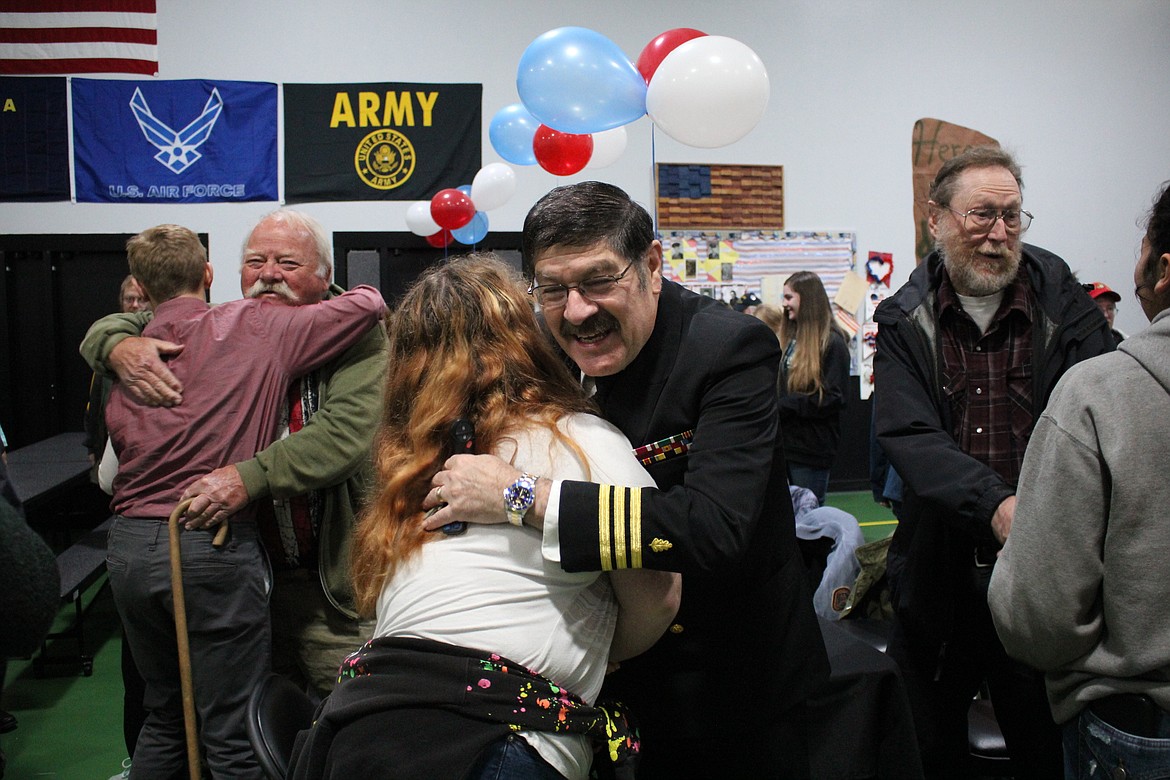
54	287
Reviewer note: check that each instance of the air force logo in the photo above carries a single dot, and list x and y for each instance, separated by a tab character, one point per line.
177	150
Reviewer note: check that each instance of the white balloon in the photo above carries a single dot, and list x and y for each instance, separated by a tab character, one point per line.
608	146
708	92
419	220
492	186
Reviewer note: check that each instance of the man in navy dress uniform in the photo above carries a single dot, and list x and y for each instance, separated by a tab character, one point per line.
693	385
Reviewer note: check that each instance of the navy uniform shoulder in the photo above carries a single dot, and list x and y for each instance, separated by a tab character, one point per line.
706	319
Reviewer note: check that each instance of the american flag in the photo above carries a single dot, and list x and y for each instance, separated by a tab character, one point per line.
78	36
743	197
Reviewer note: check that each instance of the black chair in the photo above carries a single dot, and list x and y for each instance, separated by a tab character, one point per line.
875	633
277	710
989	755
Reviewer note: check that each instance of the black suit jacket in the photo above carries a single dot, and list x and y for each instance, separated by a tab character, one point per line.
746	644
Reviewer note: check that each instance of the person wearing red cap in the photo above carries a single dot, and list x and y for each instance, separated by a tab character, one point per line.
1107	301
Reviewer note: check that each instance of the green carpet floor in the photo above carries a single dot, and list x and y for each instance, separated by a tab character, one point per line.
70	727
877	522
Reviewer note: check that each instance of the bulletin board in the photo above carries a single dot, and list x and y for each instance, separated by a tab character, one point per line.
720	262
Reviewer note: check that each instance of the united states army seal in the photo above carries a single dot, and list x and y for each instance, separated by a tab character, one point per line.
384	159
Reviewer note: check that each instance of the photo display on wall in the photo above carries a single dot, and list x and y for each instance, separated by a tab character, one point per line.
750	260
726	265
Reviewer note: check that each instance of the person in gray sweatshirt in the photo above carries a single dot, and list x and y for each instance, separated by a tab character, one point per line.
1080	590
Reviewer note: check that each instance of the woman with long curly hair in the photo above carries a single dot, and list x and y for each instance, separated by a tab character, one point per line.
813	375
485	653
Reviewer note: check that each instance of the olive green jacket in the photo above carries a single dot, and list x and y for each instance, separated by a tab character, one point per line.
330	454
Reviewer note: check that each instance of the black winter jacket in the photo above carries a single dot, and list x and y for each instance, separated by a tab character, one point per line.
950	497
810	424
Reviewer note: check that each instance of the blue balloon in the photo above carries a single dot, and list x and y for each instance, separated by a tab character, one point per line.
465	189
511	133
474	231
578	81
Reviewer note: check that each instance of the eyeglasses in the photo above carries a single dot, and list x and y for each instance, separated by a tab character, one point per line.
1137	293
551	296
979	221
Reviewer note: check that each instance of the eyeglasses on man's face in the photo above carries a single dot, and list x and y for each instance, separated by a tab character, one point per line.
981	221
551	296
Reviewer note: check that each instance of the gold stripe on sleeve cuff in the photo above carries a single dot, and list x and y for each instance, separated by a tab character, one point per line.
635	528
603	526
619	527
618	520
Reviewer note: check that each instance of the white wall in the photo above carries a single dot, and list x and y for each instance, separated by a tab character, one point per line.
1079	89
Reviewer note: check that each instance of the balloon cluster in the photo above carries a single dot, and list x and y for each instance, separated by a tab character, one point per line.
578	89
458	213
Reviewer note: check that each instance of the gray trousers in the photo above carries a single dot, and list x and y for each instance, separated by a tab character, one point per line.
226	593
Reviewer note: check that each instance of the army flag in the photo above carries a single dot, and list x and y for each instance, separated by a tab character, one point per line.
391	141
34	140
189	141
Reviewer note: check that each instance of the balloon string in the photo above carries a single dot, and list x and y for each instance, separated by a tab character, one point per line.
654	173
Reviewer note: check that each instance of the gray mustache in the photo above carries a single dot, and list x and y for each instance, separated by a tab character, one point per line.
280	288
597	323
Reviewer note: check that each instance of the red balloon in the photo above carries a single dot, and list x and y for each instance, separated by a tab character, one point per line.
451	209
440	239
656	51
560	153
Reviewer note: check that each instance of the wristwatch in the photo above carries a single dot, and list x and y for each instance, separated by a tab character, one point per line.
519	497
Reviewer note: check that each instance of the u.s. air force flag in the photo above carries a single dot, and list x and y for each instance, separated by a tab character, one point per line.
188	141
34	139
379	141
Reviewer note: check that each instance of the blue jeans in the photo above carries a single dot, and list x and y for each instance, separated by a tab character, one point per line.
511	758
226	594
1094	749
811	478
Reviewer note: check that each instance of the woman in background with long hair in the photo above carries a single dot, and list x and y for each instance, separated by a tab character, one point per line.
487	656
813	376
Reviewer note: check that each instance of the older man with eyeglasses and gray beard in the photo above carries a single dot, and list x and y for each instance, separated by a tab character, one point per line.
968	351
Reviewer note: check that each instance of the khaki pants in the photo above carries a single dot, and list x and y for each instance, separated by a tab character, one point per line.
309	637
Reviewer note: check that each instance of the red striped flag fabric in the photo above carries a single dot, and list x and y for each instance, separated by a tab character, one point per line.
846	320
78	36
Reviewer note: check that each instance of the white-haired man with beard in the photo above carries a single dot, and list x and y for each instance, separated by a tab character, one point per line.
968	351
310	482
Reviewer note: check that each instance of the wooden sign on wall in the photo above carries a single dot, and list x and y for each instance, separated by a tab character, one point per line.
745	197
932	144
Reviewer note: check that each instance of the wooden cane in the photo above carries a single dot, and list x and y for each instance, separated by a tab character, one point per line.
185	680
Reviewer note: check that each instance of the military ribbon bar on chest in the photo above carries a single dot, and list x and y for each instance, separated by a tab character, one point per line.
670	447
